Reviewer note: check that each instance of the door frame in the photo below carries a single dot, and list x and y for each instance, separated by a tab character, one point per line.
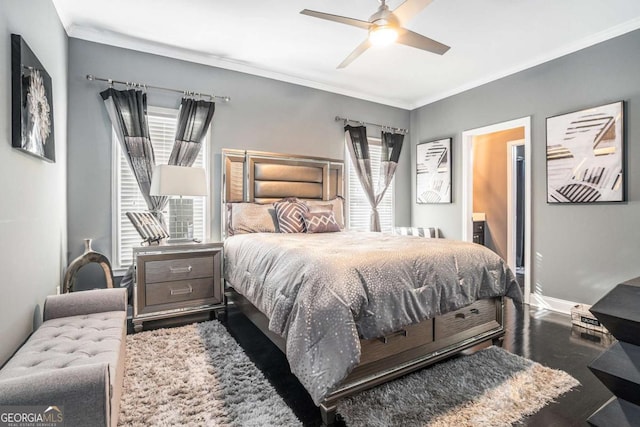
467	187
512	178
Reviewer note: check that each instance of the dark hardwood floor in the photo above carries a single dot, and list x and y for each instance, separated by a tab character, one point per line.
541	335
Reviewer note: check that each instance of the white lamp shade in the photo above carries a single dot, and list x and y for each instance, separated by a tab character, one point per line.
178	181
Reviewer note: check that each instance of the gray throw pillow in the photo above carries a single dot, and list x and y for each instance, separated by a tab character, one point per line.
246	218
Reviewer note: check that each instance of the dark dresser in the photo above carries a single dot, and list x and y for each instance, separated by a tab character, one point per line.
618	367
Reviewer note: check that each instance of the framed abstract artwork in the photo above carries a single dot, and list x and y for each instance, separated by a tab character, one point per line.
31	103
433	171
586	156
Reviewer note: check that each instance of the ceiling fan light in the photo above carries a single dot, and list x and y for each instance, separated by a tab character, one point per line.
383	35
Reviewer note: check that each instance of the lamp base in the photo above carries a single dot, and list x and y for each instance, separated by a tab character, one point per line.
181	218
172	241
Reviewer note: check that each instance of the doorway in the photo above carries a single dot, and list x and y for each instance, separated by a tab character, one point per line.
495	190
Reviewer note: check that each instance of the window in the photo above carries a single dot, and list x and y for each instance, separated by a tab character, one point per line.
358	208
127	196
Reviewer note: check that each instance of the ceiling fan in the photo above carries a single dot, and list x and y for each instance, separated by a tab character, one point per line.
385	27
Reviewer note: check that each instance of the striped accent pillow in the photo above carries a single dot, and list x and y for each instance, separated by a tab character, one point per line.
320	222
290	213
432	232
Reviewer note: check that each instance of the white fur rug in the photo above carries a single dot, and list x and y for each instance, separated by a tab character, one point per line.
491	388
196	375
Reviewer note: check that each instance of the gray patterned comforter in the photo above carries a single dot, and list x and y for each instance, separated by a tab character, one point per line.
322	292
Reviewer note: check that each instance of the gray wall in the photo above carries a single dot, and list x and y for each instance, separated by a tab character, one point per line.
33	234
578	252
264	114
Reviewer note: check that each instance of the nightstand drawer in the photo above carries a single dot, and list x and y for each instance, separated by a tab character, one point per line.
479	313
180	267
178	291
478	226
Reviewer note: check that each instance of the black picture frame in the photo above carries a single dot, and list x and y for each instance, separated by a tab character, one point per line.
433	172
586	156
32	128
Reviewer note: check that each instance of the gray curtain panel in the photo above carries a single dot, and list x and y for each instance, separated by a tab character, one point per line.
193	123
391	149
359	150
194	118
127	110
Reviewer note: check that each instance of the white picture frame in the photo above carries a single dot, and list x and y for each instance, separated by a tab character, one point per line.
433	172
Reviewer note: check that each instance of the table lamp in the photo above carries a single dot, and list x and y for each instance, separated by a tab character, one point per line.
179	181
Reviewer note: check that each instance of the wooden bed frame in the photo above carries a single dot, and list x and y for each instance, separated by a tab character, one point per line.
252	176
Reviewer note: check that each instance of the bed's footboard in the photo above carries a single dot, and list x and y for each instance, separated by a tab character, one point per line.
404	351
420	345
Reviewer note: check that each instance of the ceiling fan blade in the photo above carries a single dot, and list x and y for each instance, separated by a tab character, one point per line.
356	52
337	18
409	9
419	41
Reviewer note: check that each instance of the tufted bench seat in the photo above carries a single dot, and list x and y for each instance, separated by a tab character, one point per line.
75	359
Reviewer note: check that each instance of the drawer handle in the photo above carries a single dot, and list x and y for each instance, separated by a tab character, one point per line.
462	315
385	339
182	291
177	270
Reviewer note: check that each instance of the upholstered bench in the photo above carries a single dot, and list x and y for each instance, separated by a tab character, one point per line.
74	360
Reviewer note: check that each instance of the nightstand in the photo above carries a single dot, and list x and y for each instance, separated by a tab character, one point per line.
173	281
478	232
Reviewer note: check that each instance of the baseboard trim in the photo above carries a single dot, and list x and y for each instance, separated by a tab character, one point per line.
550	303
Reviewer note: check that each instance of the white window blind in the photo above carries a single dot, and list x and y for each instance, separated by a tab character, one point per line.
358	207
127	196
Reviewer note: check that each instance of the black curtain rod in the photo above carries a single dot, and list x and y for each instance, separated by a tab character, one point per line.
145	86
360	122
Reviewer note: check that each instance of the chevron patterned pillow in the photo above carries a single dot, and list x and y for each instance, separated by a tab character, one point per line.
290	215
336	205
321	222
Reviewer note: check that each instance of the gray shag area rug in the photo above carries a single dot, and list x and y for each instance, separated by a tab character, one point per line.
491	387
196	375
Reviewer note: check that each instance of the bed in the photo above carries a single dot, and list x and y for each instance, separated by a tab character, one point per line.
351	310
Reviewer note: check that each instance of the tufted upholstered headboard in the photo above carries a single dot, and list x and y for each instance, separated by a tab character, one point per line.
261	177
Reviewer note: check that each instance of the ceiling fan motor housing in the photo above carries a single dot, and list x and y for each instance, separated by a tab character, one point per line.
384	18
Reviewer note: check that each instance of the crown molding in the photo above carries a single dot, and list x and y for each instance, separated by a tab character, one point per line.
594	39
146	46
